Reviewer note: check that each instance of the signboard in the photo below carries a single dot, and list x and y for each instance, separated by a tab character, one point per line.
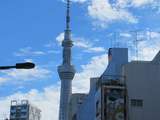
113	103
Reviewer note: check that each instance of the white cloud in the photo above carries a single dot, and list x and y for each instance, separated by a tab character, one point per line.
104	13
96	49
81	43
135	3
54	51
28	51
122	3
139	3
60	38
36	73
147	44
77	1
147	49
3	79
94	68
125	34
154	35
48	100
24	74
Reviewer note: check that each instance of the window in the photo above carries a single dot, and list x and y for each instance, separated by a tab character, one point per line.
136	103
74	117
98	108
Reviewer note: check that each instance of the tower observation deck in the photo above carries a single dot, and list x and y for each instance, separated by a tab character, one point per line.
66	70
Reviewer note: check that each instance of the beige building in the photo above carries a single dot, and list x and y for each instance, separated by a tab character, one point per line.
143	86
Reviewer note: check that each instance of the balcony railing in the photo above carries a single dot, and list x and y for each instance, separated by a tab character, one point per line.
111	80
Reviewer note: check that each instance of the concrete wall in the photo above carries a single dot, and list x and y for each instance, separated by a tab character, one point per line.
34	113
143	83
87	109
75	102
117	57
97	105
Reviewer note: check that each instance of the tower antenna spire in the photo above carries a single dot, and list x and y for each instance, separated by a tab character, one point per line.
68	15
67	35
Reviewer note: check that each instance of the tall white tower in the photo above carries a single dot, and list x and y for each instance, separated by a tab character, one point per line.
66	70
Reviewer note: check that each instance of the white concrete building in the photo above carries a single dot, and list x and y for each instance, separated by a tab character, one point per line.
143	81
24	111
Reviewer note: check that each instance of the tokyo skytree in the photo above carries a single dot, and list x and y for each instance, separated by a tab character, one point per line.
66	70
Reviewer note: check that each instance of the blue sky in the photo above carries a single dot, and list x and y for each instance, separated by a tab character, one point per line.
32	30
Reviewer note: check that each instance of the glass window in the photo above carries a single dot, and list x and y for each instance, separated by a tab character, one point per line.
136	102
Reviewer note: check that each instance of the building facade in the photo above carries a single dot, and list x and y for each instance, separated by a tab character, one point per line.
143	81
75	102
107	97
24	111
125	91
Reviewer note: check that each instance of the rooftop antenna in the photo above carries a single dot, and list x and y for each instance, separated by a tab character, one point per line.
110	38
115	40
149	32
136	43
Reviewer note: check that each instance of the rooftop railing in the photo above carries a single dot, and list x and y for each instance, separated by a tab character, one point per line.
17	103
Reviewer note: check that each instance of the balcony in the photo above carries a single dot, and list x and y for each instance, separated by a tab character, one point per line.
111	80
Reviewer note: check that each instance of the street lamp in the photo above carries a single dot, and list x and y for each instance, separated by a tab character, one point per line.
26	65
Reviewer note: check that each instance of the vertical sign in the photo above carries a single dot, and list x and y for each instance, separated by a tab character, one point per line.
113	103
